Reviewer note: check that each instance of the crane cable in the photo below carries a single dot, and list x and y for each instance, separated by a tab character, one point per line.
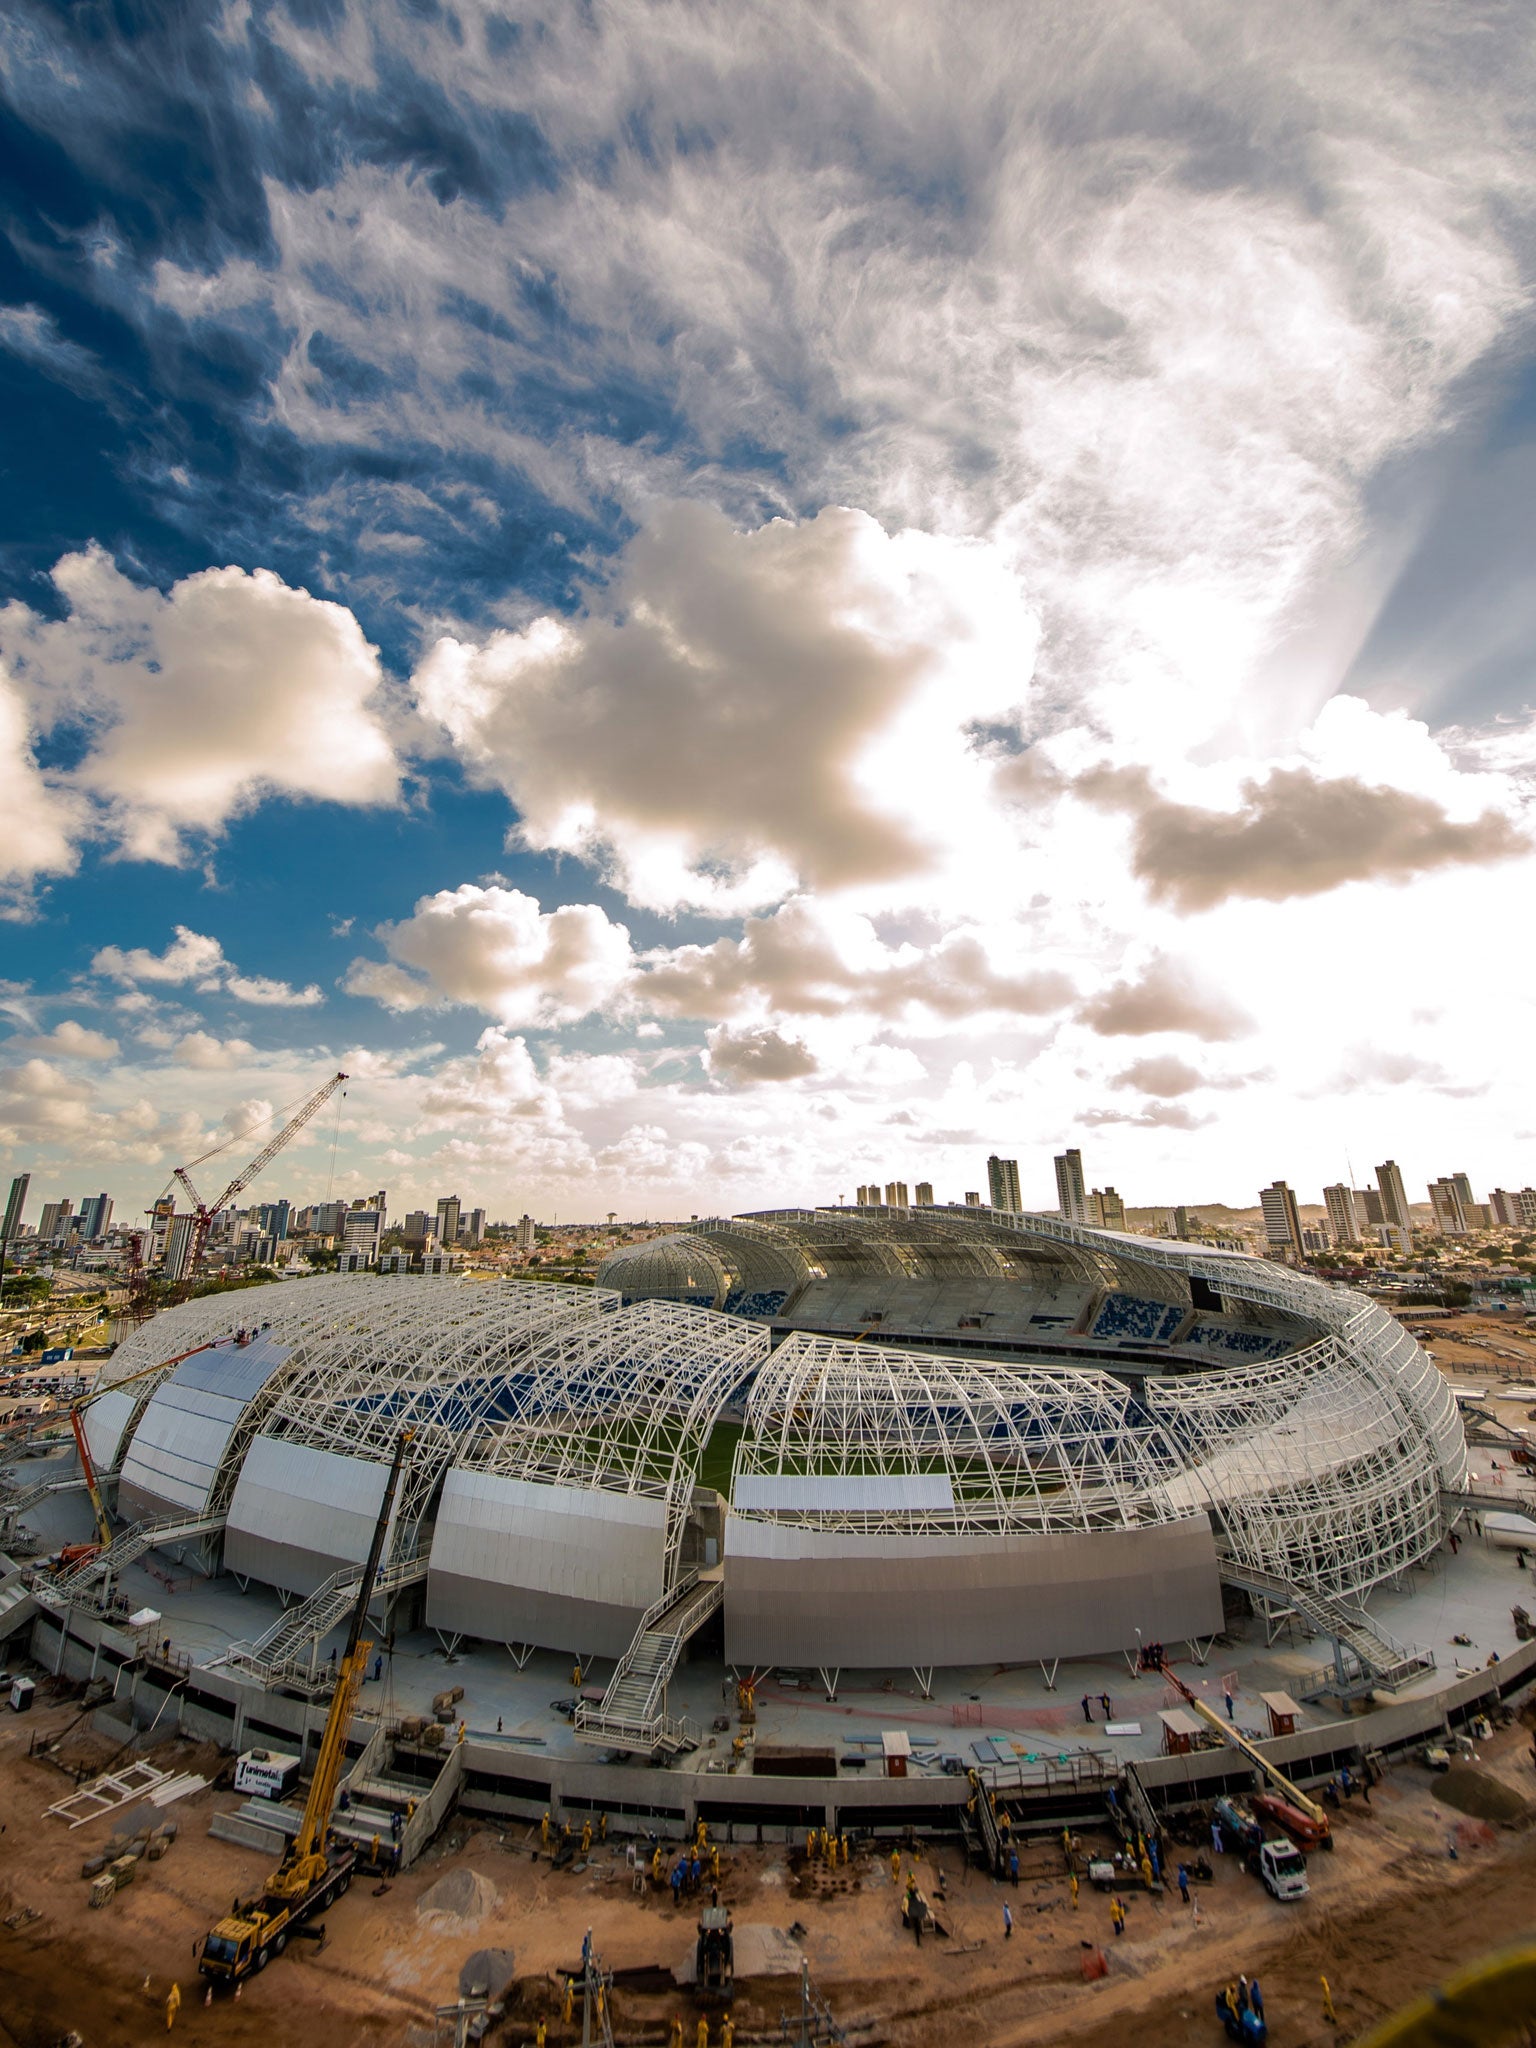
330	1185
282	1112
1478	2008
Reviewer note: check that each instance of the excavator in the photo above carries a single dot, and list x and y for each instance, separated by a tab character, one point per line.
1287	1806
313	1873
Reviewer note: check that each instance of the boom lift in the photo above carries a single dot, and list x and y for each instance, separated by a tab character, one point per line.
1315	1827
203	1213
77	1553
311	1874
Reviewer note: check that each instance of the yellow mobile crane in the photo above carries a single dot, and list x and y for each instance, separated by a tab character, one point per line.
312	1874
1288	1806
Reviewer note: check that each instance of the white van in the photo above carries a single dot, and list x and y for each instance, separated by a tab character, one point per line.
266	1774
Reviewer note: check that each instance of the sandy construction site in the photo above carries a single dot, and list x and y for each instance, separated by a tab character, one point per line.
1391	1911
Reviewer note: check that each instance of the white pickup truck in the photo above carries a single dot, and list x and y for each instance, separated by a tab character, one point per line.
1283	1869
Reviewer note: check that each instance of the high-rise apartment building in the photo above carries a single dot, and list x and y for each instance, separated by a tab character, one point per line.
1394	1205
1106	1209
1453	1217
1282	1220
178	1246
56	1221
95	1216
527	1236
1343	1214
448	1219
1513	1211
1003	1184
474	1230
896	1194
15	1207
923	1195
1071	1188
361	1230
972	1198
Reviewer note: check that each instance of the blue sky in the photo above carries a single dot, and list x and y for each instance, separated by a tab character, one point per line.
724	609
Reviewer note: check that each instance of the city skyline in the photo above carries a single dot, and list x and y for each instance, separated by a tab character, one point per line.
676	682
1348	1216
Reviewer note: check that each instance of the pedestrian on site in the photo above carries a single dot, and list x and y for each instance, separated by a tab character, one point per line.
1117	1916
1184	1883
1104	1703
498	1724
1256	1998
1013	1867
677	1882
1087	1708
1242	1994
1072	1881
1455	1543
1218	1846
1007	1921
1228	1698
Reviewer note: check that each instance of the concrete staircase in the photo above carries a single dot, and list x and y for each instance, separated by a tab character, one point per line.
375	1794
1365	1658
632	1715
288	1653
18	1604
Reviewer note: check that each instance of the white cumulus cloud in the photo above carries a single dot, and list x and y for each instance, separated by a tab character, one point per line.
198	704
494	948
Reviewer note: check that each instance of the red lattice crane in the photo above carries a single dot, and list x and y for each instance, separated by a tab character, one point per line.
203	1213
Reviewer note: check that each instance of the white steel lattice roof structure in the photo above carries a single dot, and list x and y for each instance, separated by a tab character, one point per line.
853	1436
1101	1381
976	1435
624	1404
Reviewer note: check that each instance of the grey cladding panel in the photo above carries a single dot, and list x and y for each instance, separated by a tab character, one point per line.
299	1514
567	1567
180	1443
801	1596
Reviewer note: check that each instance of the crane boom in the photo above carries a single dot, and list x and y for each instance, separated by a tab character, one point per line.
274	1145
88	1470
1251	1750
306	1859
203	1214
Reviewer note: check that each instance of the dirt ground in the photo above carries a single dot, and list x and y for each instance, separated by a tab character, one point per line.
1391	1913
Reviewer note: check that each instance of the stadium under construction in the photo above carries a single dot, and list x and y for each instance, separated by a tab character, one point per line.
906	1456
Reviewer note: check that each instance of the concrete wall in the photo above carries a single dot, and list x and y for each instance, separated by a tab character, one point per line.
796	1595
503	1778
